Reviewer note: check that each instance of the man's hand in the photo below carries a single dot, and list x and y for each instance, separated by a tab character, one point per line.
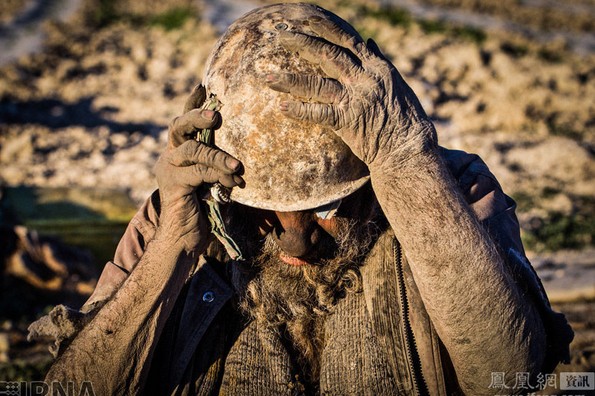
364	99
185	166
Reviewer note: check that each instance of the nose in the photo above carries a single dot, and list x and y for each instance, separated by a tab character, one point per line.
296	233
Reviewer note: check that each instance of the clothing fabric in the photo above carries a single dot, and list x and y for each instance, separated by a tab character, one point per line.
380	341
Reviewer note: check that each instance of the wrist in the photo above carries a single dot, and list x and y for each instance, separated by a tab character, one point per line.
407	152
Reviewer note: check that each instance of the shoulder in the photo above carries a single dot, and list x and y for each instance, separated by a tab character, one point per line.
477	183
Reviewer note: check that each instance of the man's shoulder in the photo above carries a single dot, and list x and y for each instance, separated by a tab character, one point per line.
461	163
468	169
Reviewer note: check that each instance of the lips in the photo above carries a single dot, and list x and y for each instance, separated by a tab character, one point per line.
294	261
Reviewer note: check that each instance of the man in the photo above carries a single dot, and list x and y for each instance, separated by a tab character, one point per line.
356	257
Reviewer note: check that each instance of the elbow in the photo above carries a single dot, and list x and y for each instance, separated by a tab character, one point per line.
532	348
513	363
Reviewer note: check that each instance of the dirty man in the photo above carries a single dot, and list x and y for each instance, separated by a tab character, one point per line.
310	236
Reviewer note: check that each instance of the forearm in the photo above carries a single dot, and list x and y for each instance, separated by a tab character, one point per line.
479	312
114	350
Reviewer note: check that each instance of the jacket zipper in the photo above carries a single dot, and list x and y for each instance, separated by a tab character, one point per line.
418	382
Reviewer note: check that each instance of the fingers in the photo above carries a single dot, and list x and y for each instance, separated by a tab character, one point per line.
337	62
196	98
324	114
194	163
193	152
336	34
318	89
184	127
196	175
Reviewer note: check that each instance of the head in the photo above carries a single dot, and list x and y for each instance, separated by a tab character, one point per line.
295	171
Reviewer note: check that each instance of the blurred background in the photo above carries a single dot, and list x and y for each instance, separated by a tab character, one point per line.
87	88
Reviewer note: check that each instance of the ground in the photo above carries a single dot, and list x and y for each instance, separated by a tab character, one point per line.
509	80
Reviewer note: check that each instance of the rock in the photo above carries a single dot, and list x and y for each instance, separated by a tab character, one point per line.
567	275
559	159
17	149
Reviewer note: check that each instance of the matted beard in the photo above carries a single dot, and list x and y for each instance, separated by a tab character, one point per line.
295	299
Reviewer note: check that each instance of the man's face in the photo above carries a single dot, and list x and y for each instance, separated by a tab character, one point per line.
305	237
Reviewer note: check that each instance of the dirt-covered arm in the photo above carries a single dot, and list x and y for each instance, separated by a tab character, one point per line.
479	311
114	350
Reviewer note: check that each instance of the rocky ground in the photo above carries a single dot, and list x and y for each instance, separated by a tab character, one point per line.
90	109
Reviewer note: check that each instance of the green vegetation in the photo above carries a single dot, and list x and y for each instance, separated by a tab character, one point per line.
469	33
105	13
17	371
173	19
558	230
393	15
92	219
400	17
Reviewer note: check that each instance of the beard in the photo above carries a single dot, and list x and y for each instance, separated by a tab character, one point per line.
294	300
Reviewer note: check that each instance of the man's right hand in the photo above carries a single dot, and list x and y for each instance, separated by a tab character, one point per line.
185	165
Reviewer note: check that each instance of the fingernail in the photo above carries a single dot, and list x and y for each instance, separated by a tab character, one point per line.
315	19
232	163
239	181
272	78
207	114
284	105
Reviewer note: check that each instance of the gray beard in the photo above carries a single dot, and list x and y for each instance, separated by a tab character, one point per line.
295	300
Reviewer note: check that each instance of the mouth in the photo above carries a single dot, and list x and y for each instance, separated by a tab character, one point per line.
293	261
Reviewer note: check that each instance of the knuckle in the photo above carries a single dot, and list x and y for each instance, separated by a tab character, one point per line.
329	116
189	148
341	118
210	155
220	159
208	174
308	40
292	79
333	52
199	171
173	123
300	110
327	88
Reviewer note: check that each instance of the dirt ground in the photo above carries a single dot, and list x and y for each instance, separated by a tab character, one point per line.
90	108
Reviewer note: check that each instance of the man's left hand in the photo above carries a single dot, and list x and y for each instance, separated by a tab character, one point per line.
363	98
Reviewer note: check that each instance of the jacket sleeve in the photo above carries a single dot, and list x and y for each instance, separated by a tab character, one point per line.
496	211
63	323
130	249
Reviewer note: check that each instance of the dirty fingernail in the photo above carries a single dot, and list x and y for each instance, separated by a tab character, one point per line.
284	105
315	19
239	181
232	163
208	114
272	78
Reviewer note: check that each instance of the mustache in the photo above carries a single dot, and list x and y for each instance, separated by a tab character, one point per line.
314	287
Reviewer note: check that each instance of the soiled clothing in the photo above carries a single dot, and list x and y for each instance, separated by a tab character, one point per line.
378	342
